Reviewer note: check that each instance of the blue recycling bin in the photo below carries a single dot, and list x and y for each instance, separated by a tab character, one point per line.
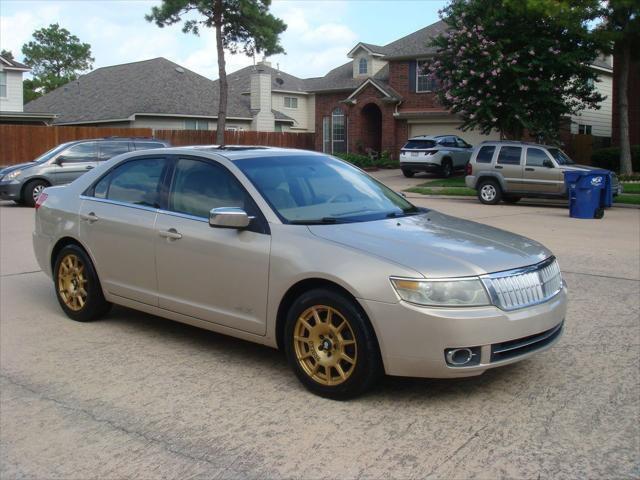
589	192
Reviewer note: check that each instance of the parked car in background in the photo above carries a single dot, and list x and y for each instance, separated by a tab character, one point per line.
23	183
300	251
510	170
441	153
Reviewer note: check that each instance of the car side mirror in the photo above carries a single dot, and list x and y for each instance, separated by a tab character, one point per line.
60	160
229	217
547	163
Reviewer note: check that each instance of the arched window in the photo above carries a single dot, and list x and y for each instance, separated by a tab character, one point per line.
363	66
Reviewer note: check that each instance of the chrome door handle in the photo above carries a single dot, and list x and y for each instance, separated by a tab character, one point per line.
89	217
529	169
498	166
88	167
172	234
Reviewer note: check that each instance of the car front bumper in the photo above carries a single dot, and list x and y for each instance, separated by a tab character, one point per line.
10	190
413	339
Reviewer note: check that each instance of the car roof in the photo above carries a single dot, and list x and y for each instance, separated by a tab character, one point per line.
240	152
430	137
118	139
517	143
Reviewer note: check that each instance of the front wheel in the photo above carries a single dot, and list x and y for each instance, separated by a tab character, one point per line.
447	168
32	191
330	345
408	173
489	192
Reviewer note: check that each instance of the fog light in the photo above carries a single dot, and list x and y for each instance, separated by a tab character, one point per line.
462	357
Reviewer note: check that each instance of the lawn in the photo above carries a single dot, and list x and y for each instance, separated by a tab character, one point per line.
458	191
444	182
631	187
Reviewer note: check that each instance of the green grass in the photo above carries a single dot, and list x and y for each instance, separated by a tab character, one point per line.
631	187
444	182
628	199
457	191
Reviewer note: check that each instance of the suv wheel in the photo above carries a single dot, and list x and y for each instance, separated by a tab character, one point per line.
32	191
408	173
489	192
447	168
331	346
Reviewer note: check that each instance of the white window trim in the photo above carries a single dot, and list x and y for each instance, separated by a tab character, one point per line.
418	77
290	98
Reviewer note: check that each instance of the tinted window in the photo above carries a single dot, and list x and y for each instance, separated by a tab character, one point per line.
509	155
461	143
485	154
536	157
111	149
137	182
561	157
147	145
81	152
199	186
419	144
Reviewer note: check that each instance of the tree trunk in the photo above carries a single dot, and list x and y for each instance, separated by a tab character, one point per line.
222	75
624	59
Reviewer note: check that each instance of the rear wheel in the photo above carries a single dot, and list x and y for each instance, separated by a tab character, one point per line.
32	191
511	199
408	173
331	346
447	168
77	285
489	192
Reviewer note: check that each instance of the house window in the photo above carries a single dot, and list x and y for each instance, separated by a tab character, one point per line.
3	84
196	124
363	66
290	102
425	82
338	131
584	129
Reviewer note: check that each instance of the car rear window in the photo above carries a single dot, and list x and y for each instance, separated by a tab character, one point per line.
419	144
509	155
148	145
485	154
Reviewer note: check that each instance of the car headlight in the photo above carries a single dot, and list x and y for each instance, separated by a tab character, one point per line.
12	175
465	292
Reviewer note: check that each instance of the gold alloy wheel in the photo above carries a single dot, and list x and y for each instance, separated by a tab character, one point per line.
72	281
325	345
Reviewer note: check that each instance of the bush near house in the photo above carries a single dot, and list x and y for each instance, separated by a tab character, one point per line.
365	161
609	158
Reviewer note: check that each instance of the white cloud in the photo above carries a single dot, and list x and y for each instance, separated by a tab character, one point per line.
16	29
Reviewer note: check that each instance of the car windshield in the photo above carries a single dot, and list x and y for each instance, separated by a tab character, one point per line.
419	144
51	153
561	157
317	189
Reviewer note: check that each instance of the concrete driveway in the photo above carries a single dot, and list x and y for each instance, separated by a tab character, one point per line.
138	396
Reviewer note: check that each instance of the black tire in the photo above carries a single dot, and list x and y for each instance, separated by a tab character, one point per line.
408	173
360	375
94	304
446	169
31	191
489	192
19	202
599	213
511	199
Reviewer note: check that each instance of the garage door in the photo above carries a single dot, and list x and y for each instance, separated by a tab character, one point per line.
470	136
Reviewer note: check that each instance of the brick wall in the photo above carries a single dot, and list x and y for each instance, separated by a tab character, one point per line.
411	100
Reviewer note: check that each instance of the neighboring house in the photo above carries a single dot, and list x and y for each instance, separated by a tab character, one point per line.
633	96
11	95
597	122
160	94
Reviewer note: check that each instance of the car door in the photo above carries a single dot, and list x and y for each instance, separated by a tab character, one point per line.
117	224
219	275
464	153
72	162
509	164
540	174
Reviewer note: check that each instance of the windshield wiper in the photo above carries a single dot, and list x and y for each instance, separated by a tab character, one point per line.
318	221
401	214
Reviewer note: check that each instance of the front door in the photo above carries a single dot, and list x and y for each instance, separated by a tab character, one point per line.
215	274
540	175
509	164
117	219
73	162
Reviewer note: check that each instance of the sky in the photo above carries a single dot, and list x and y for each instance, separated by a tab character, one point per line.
318	37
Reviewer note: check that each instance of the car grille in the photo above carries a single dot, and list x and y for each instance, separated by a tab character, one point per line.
515	348
524	287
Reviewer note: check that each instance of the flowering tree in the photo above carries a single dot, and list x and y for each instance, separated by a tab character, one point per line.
511	66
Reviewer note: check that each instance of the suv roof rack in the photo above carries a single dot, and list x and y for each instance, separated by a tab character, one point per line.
133	138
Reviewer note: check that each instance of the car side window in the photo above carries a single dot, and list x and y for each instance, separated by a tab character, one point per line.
485	154
111	149
461	143
509	155
147	145
136	182
536	157
81	152
198	186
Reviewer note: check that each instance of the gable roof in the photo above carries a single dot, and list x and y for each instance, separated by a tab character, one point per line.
157	86
10	64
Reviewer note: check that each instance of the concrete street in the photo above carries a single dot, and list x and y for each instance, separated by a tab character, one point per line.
138	396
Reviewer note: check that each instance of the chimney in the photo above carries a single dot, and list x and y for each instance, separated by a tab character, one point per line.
264	62
263	119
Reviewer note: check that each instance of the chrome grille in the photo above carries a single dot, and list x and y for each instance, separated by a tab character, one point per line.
525	286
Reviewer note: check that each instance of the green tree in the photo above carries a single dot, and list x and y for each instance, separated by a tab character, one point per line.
8	54
520	65
241	26
55	57
620	31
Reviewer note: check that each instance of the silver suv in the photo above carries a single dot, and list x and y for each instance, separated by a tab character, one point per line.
509	170
24	182
440	153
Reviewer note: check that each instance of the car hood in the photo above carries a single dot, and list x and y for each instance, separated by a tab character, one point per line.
438	245
580	167
19	166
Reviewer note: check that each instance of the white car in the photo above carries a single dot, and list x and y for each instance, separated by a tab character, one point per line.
441	153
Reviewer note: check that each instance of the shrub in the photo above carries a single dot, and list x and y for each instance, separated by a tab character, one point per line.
609	158
364	161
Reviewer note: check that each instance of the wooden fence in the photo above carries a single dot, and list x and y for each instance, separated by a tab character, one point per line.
22	143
